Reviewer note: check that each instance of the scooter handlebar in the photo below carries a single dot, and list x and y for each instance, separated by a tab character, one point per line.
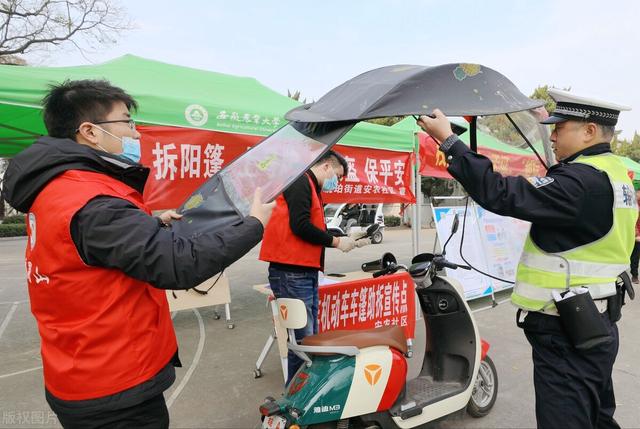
448	264
392	269
381	273
440	262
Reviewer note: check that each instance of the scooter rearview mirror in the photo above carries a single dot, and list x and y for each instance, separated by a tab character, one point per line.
456	223
422	257
454	229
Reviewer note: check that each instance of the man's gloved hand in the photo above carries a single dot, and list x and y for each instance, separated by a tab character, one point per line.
358	235
346	244
363	242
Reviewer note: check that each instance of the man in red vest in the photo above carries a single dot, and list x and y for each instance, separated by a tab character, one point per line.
98	262
295	239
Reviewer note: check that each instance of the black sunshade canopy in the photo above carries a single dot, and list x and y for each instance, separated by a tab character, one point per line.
400	90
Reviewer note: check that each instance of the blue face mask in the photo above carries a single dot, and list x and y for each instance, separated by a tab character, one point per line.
330	184
130	147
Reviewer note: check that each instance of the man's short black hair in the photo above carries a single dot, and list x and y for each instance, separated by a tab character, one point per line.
73	102
335	159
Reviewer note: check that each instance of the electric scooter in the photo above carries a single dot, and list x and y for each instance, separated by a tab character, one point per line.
336	228
376	379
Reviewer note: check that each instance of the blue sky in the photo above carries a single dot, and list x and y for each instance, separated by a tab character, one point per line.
312	46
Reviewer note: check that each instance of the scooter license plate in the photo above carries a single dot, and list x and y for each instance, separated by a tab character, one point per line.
274	422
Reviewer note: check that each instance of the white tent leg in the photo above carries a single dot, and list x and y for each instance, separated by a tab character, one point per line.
419	199
414	223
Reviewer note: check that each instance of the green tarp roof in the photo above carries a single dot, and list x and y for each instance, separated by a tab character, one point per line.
167	95
631	165
365	134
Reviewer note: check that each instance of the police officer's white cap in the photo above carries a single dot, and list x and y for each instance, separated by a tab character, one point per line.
570	107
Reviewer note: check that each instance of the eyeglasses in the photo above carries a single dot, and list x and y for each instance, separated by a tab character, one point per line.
131	122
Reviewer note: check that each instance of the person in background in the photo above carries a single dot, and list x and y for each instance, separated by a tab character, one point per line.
295	240
350	211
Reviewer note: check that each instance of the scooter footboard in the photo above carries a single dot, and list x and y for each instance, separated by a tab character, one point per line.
450	333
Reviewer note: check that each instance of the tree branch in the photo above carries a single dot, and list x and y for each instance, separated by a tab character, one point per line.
28	14
41	22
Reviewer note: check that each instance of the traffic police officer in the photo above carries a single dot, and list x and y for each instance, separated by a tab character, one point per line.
582	212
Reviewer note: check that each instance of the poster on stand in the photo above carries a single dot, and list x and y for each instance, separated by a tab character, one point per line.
503	239
475	285
491	243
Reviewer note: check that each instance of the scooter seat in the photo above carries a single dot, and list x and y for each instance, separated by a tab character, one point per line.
392	336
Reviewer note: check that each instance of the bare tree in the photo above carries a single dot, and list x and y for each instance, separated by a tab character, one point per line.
26	25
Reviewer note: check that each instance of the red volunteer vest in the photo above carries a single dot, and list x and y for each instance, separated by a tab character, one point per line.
102	331
281	245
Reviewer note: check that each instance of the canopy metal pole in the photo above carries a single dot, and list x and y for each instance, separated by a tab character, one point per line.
416	186
473	135
418	194
414	216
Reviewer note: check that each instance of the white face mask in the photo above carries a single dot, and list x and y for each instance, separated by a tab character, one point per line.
130	147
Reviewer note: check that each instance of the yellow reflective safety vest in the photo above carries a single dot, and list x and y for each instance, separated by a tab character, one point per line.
595	265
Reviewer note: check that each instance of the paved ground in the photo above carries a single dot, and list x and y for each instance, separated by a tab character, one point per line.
216	388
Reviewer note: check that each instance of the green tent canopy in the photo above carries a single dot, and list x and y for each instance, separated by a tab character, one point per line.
375	136
631	166
168	95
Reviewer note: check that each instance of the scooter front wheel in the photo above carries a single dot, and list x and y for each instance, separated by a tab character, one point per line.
485	390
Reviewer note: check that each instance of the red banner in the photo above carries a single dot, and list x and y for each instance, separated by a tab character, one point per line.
369	303
374	176
434	164
181	159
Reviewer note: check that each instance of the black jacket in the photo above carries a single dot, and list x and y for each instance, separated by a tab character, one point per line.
569	207
114	233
